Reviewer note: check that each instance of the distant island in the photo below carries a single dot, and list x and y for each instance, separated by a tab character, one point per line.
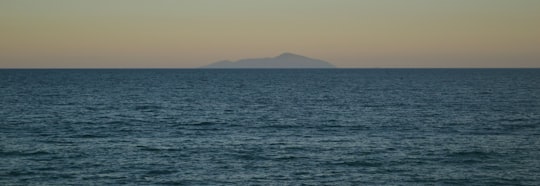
285	60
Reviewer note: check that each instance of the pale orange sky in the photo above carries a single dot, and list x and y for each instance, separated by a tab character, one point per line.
193	33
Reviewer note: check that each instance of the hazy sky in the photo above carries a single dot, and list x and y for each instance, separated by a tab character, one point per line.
193	33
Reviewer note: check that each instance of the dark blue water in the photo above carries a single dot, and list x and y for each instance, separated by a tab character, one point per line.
213	127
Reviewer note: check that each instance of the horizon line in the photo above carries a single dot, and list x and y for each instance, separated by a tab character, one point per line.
198	68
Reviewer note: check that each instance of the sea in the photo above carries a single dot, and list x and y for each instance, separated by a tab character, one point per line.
270	127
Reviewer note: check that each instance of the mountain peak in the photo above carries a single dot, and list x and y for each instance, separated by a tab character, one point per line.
288	54
284	60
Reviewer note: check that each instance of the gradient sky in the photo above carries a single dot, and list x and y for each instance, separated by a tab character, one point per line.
193	33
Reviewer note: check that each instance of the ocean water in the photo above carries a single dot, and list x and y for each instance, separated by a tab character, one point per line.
270	127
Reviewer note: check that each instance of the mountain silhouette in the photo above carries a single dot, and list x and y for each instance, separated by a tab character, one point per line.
285	60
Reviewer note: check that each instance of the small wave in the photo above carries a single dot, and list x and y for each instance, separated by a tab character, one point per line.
334	126
174	182
156	149
18	173
202	123
56	141
22	153
160	172
91	108
91	136
521	126
359	128
485	93
206	123
471	154
470	157
359	163
249	156
513	119
147	107
287	158
282	126
116	122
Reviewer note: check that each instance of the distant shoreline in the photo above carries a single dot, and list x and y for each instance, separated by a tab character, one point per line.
337	68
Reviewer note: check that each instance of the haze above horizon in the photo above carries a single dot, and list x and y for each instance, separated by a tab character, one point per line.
194	33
